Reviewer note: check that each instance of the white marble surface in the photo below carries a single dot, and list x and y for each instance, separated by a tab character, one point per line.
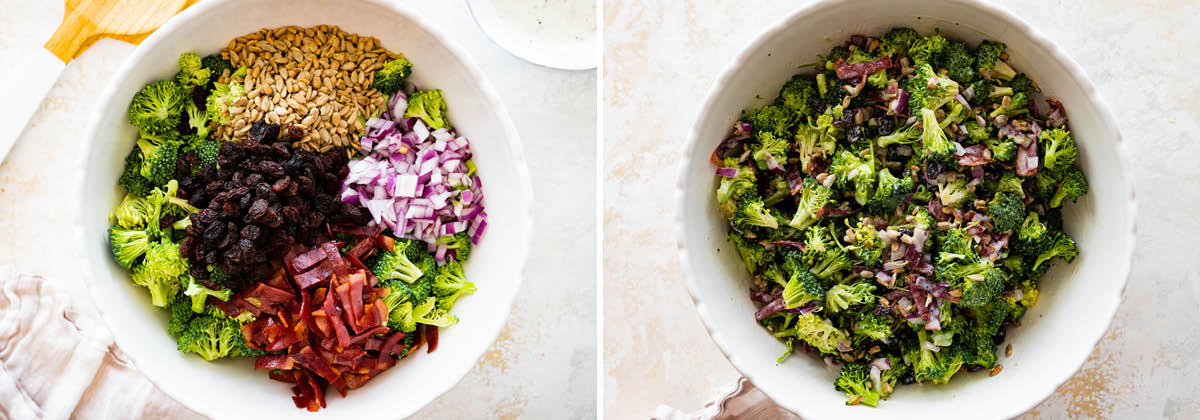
543	363
661	57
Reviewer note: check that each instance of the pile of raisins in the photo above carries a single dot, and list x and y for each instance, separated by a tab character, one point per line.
264	197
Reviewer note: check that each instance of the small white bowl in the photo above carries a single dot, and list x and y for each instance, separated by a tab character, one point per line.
230	388
1077	300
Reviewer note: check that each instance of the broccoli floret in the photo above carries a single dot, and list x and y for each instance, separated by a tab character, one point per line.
160	271
1073	186
200	294
802	287
159	159
928	90
451	283
181	313
955	193
733	188
987	60
1062	247
770	151
955	245
819	140
978	348
1033	237
221	99
878	80
127	245
390	78
872	326
890	192
827	265
977	132
798	95
168	203
1023	84
428	313
816	241
1017	104
982	288
131	177
818	332
925	363
904	135
211	337
206	150
394	265
856	383
934	144
958	62
1010	183
777	190
841	297
925	50
191	71
133	212
850	170
753	254
752	213
813	197
216	65
429	106
1007	211
197	120
1002	150
158	106
897	41
1058	148
865	245
774	119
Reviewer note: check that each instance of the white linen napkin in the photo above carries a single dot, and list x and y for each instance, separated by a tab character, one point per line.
56	363
742	400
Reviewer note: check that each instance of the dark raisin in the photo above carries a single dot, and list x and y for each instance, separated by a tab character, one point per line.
264	132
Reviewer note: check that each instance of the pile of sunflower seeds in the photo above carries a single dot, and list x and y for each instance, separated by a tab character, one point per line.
318	79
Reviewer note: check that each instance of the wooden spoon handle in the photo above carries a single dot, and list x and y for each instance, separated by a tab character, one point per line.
70	36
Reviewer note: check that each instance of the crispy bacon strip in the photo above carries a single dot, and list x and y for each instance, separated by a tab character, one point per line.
849	71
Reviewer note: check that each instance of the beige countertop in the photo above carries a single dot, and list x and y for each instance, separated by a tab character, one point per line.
660	59
543	363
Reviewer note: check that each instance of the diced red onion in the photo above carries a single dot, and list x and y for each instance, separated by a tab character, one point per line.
727	172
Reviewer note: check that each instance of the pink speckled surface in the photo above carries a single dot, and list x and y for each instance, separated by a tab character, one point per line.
660	59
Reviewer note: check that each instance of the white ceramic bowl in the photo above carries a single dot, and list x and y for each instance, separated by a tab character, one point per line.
1077	300
230	389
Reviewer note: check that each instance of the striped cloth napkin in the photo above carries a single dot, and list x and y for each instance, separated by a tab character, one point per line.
742	400
56	363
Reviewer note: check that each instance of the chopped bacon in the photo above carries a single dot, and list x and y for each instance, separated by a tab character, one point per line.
362	247
834	212
306	260
274	361
358	231
431	338
324	320
850	71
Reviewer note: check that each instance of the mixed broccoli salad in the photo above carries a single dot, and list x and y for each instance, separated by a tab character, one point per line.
896	206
